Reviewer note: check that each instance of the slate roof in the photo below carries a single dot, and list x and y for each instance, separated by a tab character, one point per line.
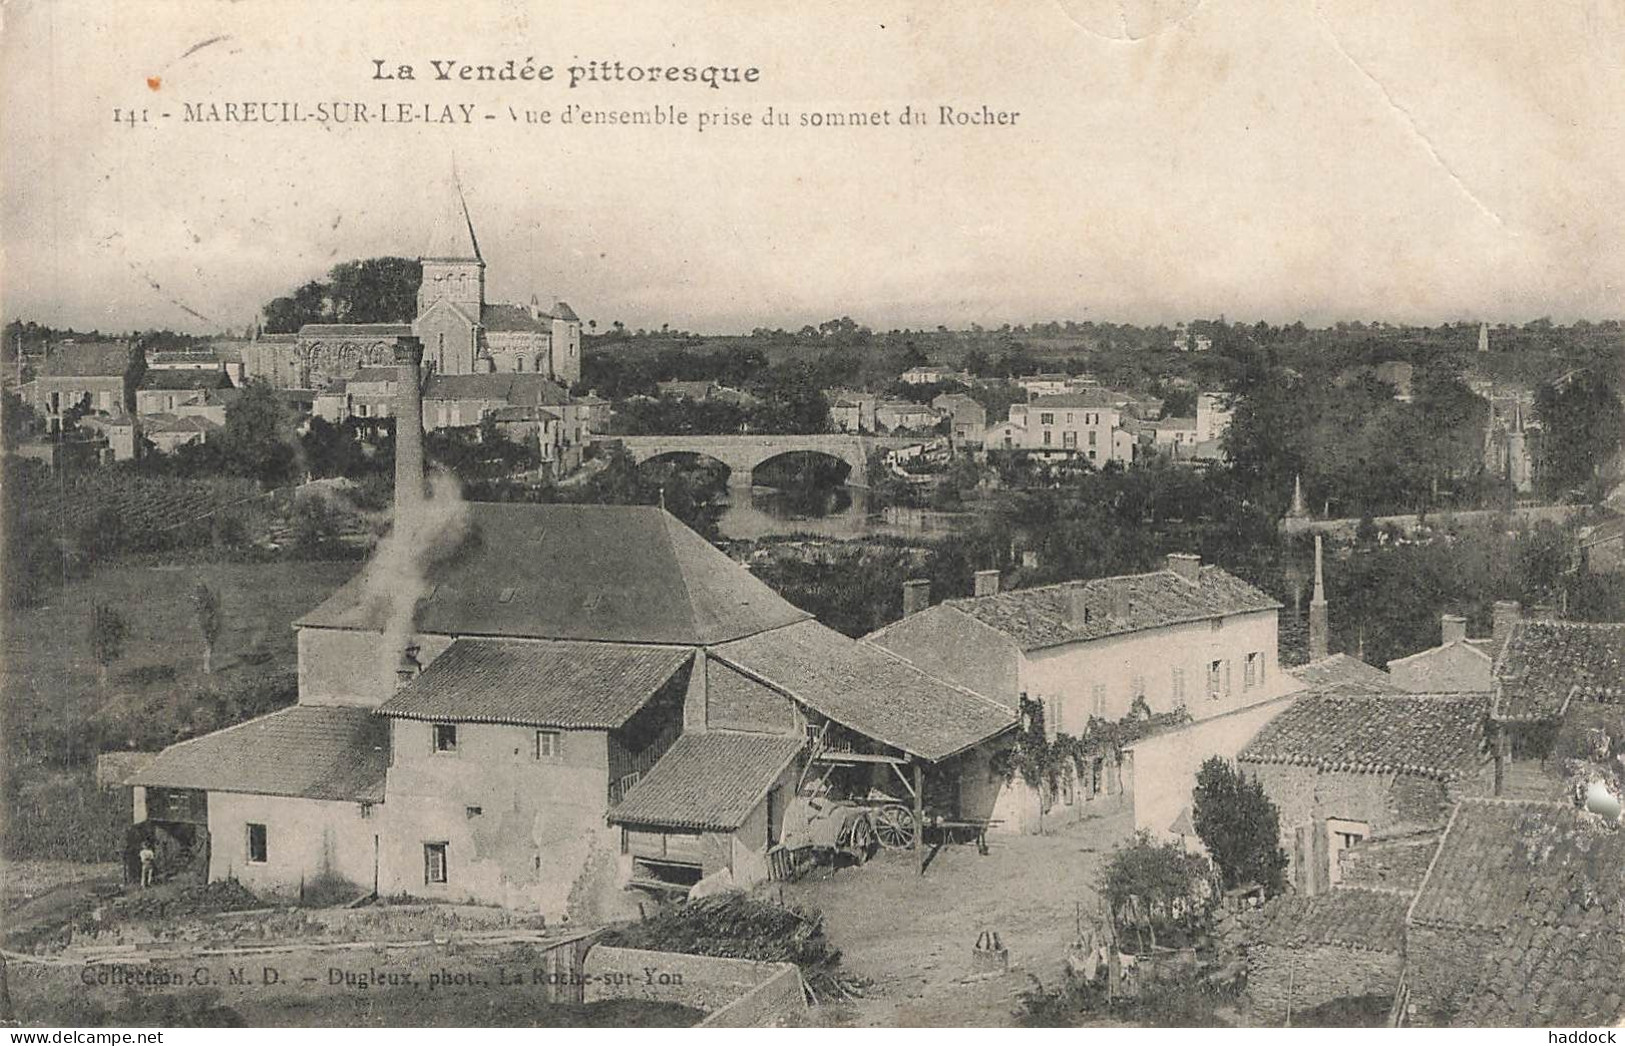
1342	673
184	379
1040	617
1439	736
307	751
1348	916
868	689
93	359
359	330
515	389
497	316
1545	663
1545	892
577	686
610	573
710	781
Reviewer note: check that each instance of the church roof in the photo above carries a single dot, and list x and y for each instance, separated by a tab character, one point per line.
503	317
453	236
613	573
516	389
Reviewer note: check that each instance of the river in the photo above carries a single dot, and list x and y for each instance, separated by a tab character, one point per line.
829	511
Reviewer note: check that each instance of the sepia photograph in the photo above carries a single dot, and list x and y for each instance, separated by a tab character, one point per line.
1096	514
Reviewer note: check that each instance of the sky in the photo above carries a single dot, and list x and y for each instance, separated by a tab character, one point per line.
1172	159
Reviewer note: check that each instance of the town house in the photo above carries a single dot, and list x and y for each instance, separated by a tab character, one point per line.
1085	424
1343	768
1189	646
88	377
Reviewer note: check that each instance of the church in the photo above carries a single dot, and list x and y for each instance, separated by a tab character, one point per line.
461	332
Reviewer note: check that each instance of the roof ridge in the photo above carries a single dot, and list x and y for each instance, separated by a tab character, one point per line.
1433	862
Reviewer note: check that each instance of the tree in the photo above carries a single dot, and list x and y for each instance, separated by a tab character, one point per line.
258	440
1152	885
108	632
1240	827
206	608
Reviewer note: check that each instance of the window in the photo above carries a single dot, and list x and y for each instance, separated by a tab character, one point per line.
1046	437
1092	435
434	863
1069	417
1070	440
1179	688
1097	776
1215	678
520	364
472	811
548	744
1249	671
1091	455
445	737
1046	418
256	844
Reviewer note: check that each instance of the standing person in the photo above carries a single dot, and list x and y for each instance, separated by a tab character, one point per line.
149	862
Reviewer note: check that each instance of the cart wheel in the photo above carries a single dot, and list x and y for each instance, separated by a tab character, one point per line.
894	826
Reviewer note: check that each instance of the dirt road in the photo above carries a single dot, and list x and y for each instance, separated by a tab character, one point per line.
913	935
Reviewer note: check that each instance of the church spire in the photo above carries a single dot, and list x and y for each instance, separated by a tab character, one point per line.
453	236
1319	623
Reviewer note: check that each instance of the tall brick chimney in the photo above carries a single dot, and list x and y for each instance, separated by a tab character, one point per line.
1452	629
987	583
1508	612
1319	622
408	429
916	595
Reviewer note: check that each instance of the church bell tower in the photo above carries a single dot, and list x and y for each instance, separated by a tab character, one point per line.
453	270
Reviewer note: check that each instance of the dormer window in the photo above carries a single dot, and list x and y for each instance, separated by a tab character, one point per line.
506	595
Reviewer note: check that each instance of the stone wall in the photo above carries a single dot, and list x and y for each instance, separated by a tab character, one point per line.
1280	977
737	993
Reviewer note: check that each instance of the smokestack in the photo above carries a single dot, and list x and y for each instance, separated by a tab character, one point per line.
408	430
1186	565
1452	629
916	595
1508	612
1319	625
987	583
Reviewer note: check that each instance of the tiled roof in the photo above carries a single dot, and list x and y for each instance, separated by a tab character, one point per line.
307	751
707	781
1040	617
1341	673
1545	662
1350	917
523	414
514	389
1440	736
868	689
183	423
1546	892
1503	859
501	317
1090	398
611	573
357	330
572	685
185	379
104	359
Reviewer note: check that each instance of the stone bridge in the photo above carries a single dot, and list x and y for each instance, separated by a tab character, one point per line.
742	454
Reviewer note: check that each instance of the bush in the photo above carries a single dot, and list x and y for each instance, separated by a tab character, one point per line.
1240	827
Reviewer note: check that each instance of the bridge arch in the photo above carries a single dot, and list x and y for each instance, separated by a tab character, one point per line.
742	454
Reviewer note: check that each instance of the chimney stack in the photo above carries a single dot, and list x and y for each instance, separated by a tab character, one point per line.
916	595
1508	612
1080	604
408	428
987	583
1452	629
1186	565
1319	623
